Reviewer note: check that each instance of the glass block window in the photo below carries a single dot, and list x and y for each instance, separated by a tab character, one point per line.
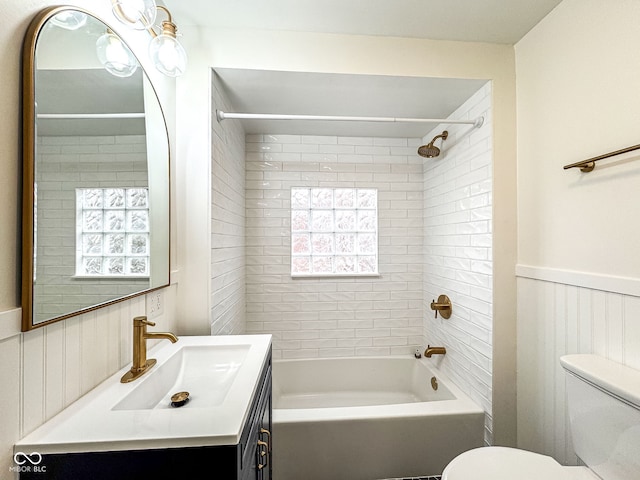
112	232
334	231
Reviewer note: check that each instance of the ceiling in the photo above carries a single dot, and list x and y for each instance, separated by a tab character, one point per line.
259	91
342	95
493	21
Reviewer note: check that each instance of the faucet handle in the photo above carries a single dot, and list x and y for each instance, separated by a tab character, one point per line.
443	305
140	321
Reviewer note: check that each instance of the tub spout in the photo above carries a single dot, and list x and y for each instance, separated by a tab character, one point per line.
434	351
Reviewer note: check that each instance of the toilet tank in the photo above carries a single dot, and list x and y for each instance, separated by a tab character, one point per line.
603	400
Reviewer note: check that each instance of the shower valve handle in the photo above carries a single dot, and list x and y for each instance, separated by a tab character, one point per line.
443	305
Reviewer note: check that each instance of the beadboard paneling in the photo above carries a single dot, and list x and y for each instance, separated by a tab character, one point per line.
555	319
45	370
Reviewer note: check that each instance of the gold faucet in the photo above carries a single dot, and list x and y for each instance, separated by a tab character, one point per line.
140	337
443	305
434	351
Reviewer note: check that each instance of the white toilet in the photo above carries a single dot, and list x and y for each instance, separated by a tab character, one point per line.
604	409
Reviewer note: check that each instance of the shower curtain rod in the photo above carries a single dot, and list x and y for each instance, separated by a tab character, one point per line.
82	116
267	116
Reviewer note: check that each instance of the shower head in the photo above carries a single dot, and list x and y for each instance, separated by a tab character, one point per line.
430	150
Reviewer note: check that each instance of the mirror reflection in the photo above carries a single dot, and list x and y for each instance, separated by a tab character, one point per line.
99	183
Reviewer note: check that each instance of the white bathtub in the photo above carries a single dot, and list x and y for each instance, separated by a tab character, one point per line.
367	418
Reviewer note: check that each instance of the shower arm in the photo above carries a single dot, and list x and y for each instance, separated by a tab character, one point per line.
443	136
477	123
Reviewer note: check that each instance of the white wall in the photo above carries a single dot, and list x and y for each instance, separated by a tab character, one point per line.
310	52
577	84
577	77
458	259
46	369
312	317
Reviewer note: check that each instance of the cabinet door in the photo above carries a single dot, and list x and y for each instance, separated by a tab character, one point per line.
264	434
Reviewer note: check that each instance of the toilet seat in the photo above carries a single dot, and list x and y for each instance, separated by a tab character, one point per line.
503	463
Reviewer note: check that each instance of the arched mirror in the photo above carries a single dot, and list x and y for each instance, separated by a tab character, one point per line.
95	171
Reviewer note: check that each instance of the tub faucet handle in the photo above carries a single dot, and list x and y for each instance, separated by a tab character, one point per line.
443	305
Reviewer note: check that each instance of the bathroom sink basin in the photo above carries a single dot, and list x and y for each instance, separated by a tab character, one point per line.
206	372
221	374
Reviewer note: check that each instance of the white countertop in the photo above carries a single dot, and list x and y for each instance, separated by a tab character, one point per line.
91	423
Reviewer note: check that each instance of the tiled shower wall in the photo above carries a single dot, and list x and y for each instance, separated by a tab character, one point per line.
458	250
227	222
322	317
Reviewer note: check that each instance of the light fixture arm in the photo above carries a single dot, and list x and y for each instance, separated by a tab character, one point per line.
168	27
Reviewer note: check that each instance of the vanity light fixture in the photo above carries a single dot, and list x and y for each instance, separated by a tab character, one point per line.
166	53
115	56
137	14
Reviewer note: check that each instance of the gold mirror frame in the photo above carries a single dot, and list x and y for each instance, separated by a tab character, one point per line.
28	174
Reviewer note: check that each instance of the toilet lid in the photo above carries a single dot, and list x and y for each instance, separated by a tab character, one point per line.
502	463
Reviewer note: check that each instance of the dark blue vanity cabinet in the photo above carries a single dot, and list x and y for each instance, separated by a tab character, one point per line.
248	460
256	457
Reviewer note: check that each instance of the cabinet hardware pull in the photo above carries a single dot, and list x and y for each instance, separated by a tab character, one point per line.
268	434
263	454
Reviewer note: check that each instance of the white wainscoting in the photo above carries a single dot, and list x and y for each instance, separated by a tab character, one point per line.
559	312
47	369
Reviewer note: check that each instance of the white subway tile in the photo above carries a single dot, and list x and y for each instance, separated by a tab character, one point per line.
318	343
391	142
373	332
339	334
282	138
320	139
355	140
337	149
354	158
300	148
355	342
389	341
322	159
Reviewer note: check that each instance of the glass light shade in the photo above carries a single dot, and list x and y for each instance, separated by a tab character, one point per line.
168	55
138	14
69	20
115	56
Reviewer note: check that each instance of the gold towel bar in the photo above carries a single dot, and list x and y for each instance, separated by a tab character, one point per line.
588	165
